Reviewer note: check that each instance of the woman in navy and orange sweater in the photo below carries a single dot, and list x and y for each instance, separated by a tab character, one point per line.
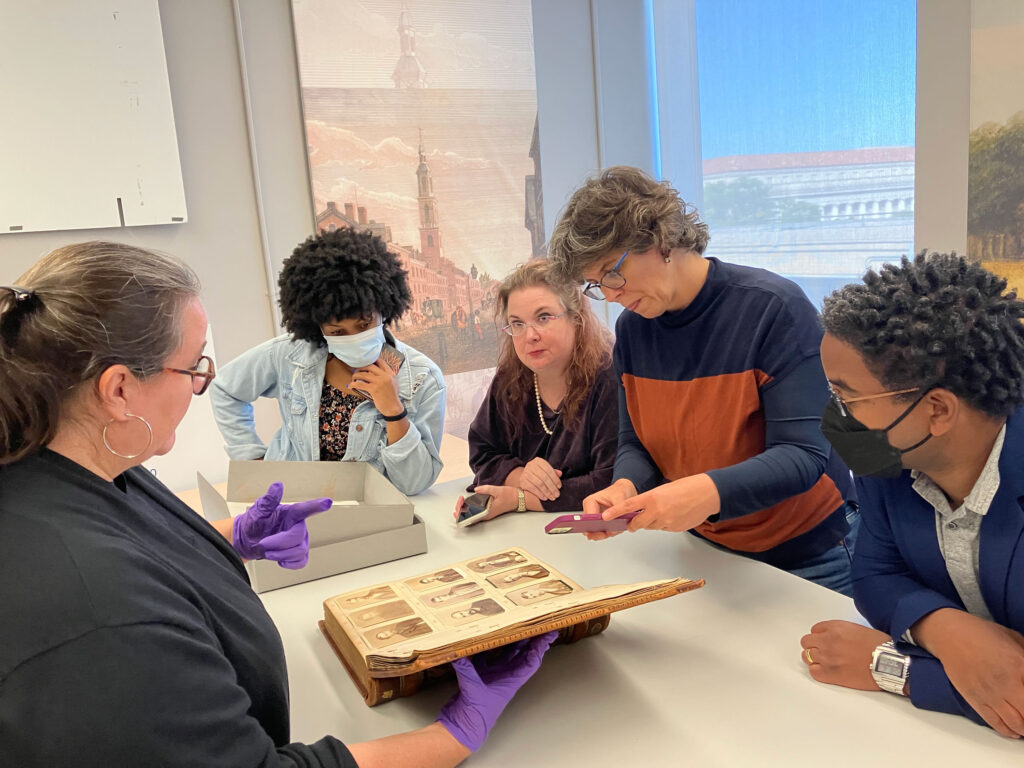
721	385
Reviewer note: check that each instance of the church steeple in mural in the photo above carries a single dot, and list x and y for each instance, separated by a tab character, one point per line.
447	200
409	73
430	235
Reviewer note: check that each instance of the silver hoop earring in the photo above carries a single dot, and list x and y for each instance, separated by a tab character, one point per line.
149	441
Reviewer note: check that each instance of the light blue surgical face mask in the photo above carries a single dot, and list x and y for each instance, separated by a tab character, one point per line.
357	350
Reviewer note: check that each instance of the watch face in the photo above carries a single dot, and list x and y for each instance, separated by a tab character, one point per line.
887	664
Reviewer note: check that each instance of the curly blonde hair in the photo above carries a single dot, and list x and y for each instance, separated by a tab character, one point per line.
623	209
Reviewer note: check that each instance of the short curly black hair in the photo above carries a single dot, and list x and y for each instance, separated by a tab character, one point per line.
936	321
338	275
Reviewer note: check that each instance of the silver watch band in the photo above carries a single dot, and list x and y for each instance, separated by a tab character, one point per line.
890	668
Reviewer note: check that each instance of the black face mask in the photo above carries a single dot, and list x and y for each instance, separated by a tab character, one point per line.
867	452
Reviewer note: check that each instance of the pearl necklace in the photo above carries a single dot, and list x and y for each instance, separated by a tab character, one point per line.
540	410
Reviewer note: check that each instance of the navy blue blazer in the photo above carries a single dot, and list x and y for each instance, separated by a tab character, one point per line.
899	575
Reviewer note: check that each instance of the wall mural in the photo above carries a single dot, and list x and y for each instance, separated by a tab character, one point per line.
421	127
995	209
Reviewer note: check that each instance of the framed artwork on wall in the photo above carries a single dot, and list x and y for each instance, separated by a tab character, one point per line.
421	127
995	185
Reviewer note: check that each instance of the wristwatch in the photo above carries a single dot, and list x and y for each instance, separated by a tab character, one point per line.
522	500
890	668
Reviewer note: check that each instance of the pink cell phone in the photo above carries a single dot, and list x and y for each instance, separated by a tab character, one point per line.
589	523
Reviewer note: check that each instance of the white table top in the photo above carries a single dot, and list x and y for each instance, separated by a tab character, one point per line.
708	678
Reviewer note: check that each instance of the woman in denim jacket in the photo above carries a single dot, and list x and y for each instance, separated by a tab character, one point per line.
339	291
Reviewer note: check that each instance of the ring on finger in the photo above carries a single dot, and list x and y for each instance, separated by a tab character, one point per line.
807	656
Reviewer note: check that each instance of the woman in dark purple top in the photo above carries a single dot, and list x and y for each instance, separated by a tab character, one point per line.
545	437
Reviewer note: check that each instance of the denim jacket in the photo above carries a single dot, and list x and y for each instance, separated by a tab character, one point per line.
293	373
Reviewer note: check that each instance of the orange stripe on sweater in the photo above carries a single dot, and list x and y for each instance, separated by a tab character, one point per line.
690	427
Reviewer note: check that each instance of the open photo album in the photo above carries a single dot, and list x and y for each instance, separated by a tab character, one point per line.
392	637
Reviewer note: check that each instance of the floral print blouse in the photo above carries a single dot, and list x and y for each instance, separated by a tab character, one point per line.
335	414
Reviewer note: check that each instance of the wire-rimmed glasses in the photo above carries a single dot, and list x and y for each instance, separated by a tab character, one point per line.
610	279
844	402
518	327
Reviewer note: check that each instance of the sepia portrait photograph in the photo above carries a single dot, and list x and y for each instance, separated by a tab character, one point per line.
433	580
395	633
518	575
363	598
545	590
497	562
381	613
478	609
454	594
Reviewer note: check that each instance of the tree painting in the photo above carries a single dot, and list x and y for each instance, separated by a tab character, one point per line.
995	219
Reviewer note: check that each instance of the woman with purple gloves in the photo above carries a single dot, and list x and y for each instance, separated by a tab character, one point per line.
131	635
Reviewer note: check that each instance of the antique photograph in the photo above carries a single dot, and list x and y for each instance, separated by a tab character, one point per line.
455	594
542	591
432	580
395	633
358	600
497	562
516	575
476	610
383	612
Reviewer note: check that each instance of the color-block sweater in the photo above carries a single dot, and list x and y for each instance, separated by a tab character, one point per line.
732	386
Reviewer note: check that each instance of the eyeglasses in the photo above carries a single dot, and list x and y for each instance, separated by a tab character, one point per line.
518	327
843	403
610	279
202	374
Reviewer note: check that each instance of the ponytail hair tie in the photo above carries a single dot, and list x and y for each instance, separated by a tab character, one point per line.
20	294
25	301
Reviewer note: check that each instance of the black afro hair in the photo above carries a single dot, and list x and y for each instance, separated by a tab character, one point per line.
338	275
938	320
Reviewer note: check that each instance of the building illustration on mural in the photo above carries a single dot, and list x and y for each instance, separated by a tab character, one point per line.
534	197
440	289
409	72
429	141
426	204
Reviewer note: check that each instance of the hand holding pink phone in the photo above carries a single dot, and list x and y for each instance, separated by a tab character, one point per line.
589	523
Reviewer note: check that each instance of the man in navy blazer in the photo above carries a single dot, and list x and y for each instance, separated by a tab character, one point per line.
926	364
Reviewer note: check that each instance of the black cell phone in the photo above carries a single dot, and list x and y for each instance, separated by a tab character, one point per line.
474	507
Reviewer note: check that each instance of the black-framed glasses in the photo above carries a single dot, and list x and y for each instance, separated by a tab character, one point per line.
518	327
844	403
204	372
610	279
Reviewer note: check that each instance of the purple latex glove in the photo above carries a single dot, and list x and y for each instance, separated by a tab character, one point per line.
275	531
486	685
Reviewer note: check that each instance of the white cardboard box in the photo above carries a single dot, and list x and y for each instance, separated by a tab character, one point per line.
371	521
